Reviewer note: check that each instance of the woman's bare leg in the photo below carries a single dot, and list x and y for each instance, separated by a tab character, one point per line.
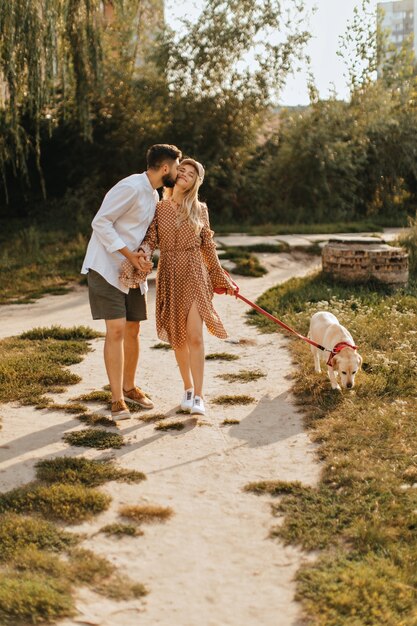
196	348
183	359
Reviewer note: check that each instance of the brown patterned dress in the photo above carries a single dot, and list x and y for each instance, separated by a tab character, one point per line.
188	271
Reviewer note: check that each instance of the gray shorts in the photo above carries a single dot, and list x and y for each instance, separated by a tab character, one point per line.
109	303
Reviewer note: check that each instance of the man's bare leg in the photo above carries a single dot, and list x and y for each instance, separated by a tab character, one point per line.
131	354
114	357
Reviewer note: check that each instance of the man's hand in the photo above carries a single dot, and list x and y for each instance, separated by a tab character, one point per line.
140	262
137	259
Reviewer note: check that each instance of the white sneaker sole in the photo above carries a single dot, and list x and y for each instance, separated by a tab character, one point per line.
197	412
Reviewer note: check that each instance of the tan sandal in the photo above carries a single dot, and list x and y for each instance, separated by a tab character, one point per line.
137	396
119	410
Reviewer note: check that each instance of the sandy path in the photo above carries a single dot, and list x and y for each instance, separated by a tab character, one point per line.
212	564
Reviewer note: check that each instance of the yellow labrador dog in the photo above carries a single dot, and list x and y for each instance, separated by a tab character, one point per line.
344	360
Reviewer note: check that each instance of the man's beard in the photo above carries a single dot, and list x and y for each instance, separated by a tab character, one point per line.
168	181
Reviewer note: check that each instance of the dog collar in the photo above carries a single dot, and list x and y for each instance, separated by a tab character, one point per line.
337	348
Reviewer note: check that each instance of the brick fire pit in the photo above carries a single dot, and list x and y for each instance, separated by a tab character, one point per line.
358	260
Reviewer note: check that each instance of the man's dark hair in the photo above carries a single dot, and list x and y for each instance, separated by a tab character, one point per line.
161	152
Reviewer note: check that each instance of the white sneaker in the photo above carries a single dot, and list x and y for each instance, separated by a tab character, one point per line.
198	406
187	400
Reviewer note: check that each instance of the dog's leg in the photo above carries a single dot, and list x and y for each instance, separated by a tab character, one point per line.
332	376
316	357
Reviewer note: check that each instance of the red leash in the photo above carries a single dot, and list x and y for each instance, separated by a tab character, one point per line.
271	317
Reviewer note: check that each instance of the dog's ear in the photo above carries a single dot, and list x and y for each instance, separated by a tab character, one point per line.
335	362
360	360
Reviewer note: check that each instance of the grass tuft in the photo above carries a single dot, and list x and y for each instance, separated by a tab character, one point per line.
276	487
154	417
64	502
77	470
17	532
72	409
232	400
33	600
170	426
146	513
88	568
120	530
94	438
244	376
221	356
246	263
162	346
230	422
96	419
102	397
121	588
76	333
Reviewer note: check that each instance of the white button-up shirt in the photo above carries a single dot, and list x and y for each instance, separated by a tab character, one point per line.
122	220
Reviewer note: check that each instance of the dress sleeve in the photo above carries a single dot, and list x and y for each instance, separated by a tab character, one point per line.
151	240
217	274
129	275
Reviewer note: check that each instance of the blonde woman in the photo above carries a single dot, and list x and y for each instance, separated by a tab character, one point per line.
188	272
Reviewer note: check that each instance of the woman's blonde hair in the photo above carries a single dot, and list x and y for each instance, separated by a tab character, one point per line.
191	208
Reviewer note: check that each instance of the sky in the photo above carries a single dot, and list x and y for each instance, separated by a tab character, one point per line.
326	26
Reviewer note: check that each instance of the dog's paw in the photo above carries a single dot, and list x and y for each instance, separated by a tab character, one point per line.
336	388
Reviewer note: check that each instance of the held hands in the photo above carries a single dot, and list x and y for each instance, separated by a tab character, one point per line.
140	261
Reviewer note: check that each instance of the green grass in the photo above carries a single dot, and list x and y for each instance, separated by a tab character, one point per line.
221	356
77	470
244	376
94	438
232	400
245	263
35	261
146	513
301	229
408	240
362	516
32	365
69	503
169	426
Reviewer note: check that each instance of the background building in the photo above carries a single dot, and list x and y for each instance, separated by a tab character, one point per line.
399	19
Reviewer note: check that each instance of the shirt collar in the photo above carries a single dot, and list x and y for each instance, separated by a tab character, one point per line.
148	182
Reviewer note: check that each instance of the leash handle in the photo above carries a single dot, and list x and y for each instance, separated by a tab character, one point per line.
223	290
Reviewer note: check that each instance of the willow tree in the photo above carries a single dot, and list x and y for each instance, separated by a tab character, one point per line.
50	68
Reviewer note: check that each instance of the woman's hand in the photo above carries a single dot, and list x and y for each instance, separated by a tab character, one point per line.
140	261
